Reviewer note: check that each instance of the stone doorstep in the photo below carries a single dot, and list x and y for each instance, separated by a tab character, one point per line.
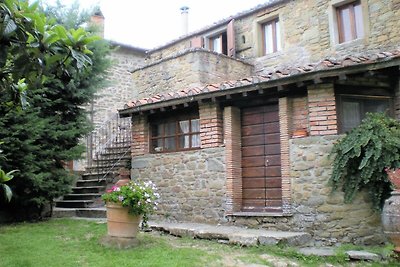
233	234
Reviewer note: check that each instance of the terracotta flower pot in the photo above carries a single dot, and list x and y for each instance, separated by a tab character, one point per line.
120	223
300	133
394	177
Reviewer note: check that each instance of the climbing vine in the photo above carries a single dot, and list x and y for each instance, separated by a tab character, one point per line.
360	158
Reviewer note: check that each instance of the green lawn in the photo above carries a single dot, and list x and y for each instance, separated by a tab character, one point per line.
68	242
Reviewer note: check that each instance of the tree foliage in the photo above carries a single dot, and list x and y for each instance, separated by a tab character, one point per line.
360	158
48	72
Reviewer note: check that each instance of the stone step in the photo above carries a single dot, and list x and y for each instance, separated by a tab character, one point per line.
119	148
80	212
99	175
74	203
112	157
88	189
91	182
233	235
105	166
89	196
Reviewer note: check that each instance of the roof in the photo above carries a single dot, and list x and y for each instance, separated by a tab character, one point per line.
329	67
127	46
219	23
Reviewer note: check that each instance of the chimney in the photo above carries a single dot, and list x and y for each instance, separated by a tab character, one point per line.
185	21
97	19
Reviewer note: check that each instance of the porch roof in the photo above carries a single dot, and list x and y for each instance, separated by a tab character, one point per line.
281	78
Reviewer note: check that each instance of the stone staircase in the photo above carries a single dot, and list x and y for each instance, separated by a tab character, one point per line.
103	163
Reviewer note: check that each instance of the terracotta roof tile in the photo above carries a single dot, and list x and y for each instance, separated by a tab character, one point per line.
327	63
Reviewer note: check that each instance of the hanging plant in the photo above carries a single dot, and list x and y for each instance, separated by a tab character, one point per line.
361	157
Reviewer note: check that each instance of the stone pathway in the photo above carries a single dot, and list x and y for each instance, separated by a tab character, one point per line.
232	234
251	237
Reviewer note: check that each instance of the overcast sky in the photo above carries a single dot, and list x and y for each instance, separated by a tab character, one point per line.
151	23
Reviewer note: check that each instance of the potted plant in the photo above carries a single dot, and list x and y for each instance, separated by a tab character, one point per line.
127	205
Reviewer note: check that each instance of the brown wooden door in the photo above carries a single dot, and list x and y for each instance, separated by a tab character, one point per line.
261	159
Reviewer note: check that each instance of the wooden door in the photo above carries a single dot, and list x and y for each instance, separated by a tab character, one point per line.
261	160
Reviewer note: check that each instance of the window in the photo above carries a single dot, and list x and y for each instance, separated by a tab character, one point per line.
350	22
219	43
271	40
353	109
175	135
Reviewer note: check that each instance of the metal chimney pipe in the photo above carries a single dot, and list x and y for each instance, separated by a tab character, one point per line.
185	20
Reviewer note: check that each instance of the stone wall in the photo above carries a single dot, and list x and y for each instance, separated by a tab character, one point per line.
191	183
188	69
315	208
309	36
308	33
120	87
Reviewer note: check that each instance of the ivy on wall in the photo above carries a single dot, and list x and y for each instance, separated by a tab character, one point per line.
360	158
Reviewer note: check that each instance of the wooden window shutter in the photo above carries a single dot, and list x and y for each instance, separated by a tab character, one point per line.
196	41
230	32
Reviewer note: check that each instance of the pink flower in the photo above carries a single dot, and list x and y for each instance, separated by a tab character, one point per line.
115	188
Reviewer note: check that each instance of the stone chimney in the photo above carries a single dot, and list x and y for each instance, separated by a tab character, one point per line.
97	19
185	20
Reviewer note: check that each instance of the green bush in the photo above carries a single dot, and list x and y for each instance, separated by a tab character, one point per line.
360	158
48	72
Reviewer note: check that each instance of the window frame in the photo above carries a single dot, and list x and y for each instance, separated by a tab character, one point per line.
223	46
176	136
340	98
275	35
353	21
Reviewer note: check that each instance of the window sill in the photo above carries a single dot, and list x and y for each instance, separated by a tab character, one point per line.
175	151
350	44
271	55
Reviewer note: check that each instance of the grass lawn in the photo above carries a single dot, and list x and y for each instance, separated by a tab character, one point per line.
69	242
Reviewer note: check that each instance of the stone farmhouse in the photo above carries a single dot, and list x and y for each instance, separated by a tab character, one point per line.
235	122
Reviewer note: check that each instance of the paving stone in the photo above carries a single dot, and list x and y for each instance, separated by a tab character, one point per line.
320	252
363	255
234	235
268	240
243	239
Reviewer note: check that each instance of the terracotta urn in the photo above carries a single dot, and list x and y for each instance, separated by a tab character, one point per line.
391	211
300	133
120	223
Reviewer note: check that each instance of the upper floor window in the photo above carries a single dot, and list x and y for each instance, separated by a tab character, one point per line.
350	21
352	109
271	40
219	43
176	134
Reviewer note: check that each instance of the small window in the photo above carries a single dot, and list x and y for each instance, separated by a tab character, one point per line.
175	135
271	37
350	22
353	109
219	43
